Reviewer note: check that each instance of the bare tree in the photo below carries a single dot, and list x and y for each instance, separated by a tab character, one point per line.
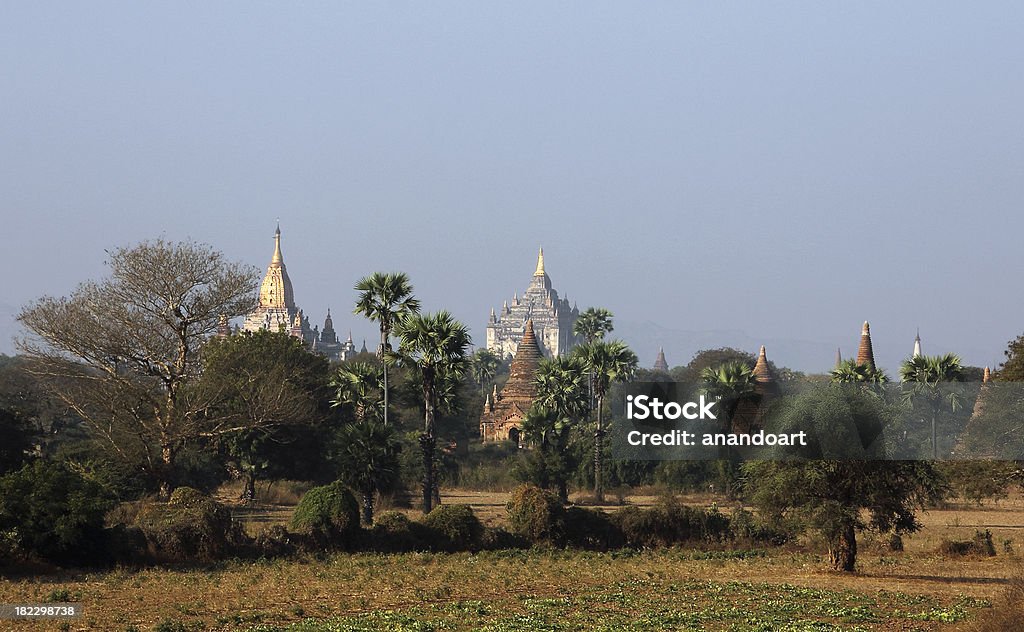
121	352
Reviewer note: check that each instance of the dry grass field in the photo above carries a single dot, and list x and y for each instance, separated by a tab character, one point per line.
769	589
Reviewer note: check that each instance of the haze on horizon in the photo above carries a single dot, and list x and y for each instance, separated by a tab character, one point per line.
714	173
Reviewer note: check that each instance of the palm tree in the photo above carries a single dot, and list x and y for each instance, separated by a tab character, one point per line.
922	376
561	402
731	383
367	454
592	325
607	362
850	372
483	366
435	344
385	298
355	384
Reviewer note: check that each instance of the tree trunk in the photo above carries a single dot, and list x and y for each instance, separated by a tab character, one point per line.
368	506
563	490
598	452
384	368
166	467
249	492
843	551
427	442
427	445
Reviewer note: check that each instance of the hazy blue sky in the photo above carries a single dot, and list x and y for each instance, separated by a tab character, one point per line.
714	172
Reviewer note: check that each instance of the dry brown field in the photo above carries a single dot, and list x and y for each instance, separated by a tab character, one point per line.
785	588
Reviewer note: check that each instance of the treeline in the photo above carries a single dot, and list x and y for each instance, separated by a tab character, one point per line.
129	405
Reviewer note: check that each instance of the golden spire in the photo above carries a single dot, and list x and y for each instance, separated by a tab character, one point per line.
540	264
761	371
277	246
987	377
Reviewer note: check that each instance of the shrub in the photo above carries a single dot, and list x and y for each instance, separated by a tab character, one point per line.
190	526
498	539
274	541
746	527
393	532
669	522
327	515
534	514
590	529
981	545
459	529
49	511
125	544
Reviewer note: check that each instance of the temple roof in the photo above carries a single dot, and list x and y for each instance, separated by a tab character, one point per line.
523	371
865	354
761	371
276	289
660	364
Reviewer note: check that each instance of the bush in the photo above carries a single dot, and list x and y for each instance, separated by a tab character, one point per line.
590	529
49	511
125	544
393	532
459	529
327	515
498	539
274	541
745	527
190	526
535	514
981	545
668	523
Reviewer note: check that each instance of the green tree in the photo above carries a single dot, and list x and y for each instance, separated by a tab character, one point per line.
356	384
561	402
15	441
435	345
1012	368
842	484
593	324
385	298
53	512
122	352
849	372
731	383
367	456
923	377
256	383
483	367
607	362
833	497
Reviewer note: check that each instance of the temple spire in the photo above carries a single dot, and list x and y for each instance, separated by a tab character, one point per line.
917	345
761	372
277	246
839	356
987	376
865	354
660	364
540	264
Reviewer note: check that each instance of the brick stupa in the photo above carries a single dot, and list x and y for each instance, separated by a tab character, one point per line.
504	412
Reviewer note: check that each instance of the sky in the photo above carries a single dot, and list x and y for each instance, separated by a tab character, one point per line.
726	173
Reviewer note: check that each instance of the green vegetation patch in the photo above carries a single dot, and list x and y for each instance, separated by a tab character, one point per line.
647	605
